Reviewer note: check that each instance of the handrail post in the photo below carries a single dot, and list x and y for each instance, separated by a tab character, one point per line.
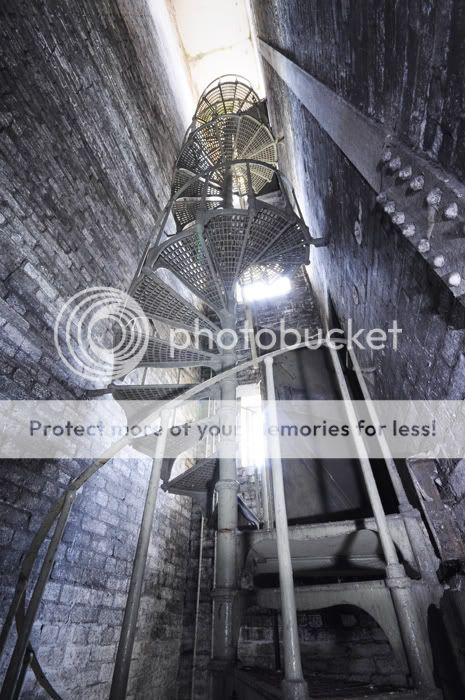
128	630
294	686
407	610
410	515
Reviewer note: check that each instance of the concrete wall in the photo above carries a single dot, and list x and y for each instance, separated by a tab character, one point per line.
399	64
88	138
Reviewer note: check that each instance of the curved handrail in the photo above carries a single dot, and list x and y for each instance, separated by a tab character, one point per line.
17	607
237	78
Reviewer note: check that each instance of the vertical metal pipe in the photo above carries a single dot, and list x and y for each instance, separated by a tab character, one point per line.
294	685
276	644
224	593
266	496
391	467
228	188
128	629
410	515
197	610
17	659
408	616
387	544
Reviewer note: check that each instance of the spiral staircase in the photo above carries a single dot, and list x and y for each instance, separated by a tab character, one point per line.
232	219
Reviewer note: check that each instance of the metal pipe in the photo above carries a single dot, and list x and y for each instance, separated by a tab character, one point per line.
197	609
266	496
276	644
390	464
128	629
389	550
294	685
24	632
407	613
224	593
410	515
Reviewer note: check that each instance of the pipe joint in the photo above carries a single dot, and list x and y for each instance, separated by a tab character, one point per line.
227	485
396	576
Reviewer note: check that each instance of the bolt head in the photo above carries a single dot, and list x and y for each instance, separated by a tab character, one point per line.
417	183
405	173
455	279
358	232
387	155
408	230
452	211
398	218
390	207
424	245
439	261
434	197
381	198
394	164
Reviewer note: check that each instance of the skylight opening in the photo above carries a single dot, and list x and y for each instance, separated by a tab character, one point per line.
261	290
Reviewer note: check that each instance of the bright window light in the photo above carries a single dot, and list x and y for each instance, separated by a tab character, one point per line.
252	441
257	291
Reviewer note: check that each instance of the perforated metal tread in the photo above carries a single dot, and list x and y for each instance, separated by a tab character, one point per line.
187	257
234	241
136	399
160	301
149	392
194	195
196	478
161	353
194	192
225	97
230	137
175	444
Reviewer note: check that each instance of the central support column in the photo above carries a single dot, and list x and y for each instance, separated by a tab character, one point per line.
225	592
294	686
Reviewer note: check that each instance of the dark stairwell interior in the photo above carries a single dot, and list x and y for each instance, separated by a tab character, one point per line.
322	190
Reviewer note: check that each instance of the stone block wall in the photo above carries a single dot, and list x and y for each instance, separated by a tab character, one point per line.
343	645
89	131
189	676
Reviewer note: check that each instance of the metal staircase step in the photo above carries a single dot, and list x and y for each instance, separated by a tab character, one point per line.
226	97
357	554
176	443
260	684
161	353
135	399
160	301
148	392
195	479
262	241
229	137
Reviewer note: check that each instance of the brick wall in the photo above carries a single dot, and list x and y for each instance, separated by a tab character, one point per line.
88	138
398	65
343	645
187	674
